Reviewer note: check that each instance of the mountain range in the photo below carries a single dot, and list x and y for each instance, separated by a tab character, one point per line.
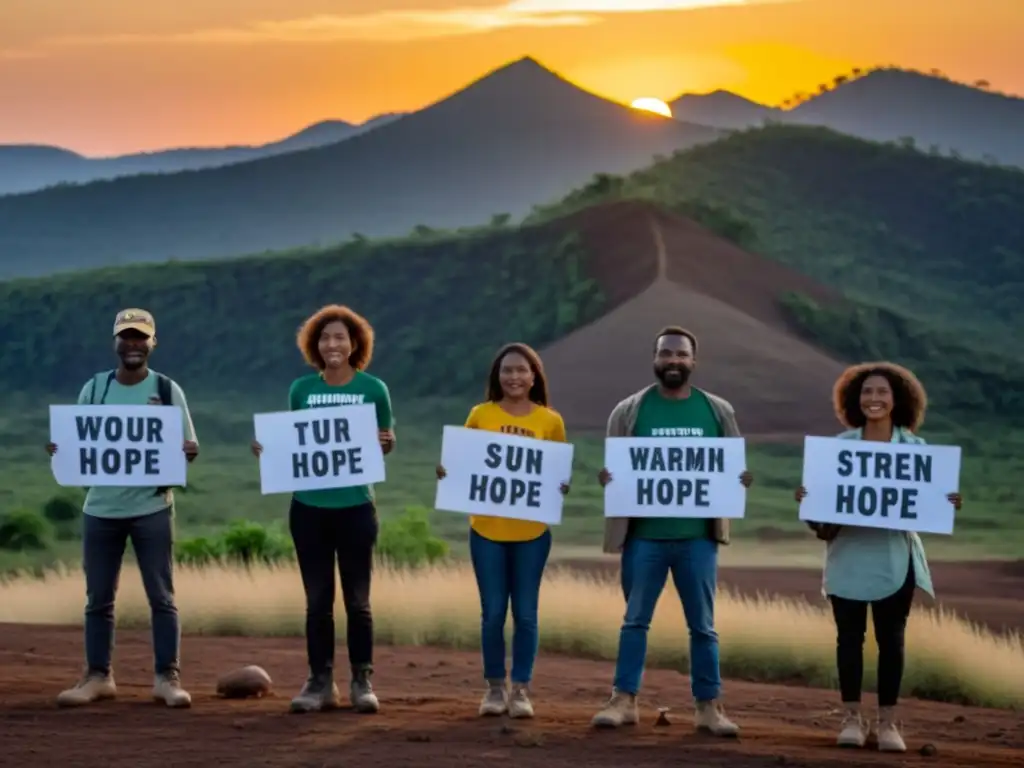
883	104
886	104
517	136
26	167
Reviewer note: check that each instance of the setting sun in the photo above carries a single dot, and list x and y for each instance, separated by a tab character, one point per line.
652	105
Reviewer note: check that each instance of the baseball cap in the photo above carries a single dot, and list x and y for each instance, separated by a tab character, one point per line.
135	320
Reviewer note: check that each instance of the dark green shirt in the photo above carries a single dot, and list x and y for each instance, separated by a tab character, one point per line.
660	417
313	392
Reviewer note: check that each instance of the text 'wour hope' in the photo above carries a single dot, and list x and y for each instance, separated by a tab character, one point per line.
142	430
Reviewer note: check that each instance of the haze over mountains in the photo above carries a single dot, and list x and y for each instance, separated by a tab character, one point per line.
25	168
886	105
518	136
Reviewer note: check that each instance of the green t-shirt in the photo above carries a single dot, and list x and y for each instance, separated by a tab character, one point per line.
112	501
661	417
313	392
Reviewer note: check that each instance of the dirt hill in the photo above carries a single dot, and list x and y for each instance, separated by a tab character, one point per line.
659	269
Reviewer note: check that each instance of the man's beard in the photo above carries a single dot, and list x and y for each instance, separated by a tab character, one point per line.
673	377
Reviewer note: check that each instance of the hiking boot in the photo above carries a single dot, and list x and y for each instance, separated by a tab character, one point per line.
889	738
318	693
495	701
92	686
854	731
361	694
710	718
519	702
621	709
167	688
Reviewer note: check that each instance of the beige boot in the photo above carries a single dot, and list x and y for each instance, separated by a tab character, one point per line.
318	693
361	694
889	738
854	730
93	686
519	702
495	700
710	717
621	709
167	688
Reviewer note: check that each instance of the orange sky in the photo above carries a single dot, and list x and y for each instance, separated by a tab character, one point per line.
115	76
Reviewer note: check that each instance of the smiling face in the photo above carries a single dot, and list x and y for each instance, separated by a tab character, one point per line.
876	398
673	361
133	347
515	376
335	345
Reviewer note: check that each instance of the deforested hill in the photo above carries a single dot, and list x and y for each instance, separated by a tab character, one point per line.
928	250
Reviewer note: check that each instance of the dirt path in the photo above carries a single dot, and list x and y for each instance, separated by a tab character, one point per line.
428	717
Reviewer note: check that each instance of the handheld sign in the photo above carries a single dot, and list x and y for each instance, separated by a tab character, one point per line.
502	475
318	448
118	445
671	477
898	486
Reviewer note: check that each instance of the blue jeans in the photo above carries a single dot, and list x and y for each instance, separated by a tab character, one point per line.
645	567
509	571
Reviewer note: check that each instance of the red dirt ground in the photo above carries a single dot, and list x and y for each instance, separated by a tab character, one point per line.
428	716
659	269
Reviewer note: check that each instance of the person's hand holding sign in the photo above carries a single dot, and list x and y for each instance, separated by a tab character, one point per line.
604	477
746	478
441	473
564	488
956	500
191	448
256	448
387	440
51	448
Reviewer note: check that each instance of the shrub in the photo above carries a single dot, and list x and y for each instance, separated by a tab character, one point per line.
407	541
24	530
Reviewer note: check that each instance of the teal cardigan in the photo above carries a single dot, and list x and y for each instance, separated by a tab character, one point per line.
871	563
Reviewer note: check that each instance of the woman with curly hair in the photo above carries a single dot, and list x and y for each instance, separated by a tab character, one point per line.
875	567
337	527
508	555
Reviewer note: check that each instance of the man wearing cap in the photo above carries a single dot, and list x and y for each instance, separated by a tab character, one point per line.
115	515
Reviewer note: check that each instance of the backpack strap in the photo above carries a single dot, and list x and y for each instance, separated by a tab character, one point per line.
106	388
163	388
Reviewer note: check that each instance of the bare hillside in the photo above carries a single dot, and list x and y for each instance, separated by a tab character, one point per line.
670	271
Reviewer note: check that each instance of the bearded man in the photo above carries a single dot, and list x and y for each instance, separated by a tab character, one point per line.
651	548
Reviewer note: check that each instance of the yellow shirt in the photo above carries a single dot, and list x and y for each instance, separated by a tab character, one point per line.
541	423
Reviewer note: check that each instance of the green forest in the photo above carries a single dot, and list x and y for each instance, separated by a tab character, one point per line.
443	303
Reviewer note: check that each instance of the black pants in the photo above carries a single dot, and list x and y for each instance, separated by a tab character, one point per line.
320	536
103	545
889	616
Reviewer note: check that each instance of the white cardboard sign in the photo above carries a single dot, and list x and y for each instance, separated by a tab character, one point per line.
501	475
317	448
897	486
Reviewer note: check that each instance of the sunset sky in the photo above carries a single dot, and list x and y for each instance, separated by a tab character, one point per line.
114	76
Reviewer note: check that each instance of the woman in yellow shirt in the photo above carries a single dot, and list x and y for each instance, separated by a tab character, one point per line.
508	555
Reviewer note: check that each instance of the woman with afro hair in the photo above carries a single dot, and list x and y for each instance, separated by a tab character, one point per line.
874	567
337	527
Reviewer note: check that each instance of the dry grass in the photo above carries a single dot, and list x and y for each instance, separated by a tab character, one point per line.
763	639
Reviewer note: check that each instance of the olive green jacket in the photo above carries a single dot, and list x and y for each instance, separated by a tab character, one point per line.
621	423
